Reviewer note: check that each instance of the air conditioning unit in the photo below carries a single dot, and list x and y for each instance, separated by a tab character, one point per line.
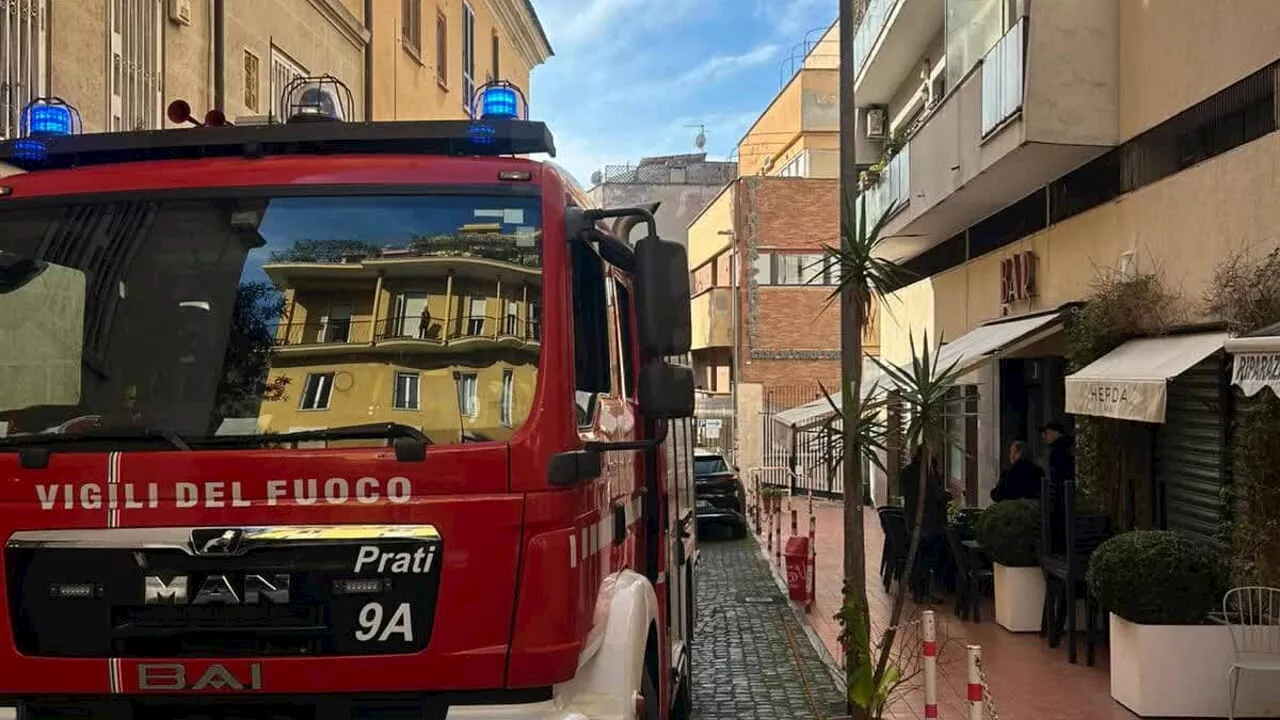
877	123
180	11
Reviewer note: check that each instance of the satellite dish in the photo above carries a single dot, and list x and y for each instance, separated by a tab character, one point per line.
700	141
596	177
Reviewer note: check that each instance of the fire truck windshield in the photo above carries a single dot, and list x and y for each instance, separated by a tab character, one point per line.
248	314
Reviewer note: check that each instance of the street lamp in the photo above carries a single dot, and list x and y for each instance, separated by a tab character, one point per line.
734	376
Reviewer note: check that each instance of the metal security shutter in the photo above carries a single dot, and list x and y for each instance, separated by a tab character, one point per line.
1189	451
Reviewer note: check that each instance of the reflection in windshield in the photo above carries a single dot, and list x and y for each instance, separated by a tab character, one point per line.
243	316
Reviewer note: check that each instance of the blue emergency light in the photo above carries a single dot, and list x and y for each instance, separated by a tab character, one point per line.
500	100
49	117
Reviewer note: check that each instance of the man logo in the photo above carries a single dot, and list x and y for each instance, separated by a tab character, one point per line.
173	676
210	541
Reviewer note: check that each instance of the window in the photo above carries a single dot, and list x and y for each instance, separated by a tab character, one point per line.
468	56
796	269
535	321
411	27
513	318
406	391
626	339
508	393
316	391
284	70
250	80
134	40
337	324
467	401
475	318
797	166
23	58
590	321
442	49
496	61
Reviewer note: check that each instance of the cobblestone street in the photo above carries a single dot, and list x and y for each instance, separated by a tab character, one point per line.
752	660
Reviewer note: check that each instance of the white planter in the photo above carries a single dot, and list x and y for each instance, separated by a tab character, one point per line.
1019	597
1181	671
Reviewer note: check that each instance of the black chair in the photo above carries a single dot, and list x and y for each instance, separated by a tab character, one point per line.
1066	544
973	574
893	556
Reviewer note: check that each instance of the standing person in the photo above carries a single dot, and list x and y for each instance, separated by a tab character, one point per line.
424	323
933	520
1021	480
1062	467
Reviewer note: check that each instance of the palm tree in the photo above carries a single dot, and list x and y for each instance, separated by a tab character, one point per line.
864	277
927	392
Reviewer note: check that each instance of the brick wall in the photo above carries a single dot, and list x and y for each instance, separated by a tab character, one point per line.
789	338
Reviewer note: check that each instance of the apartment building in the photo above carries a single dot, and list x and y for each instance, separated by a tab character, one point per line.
429	56
766	334
120	62
1027	149
441	341
681	184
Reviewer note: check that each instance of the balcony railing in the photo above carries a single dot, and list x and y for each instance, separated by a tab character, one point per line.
864	38
1002	78
433	331
893	188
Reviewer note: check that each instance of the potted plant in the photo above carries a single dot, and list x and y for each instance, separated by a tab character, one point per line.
772	497
1168	658
1009	532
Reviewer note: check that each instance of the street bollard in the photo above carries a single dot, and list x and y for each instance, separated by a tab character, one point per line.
929	628
755	506
813	563
975	682
777	545
768	521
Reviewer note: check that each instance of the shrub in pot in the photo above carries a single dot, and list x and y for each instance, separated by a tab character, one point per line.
1009	532
1167	658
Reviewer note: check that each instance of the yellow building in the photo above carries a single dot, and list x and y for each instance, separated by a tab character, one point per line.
430	55
445	344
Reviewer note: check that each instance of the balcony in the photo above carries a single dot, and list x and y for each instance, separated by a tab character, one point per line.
712	313
406	334
892	189
888	45
1039	103
806	106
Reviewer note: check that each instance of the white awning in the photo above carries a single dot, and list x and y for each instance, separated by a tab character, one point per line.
1131	382
995	339
1257	360
816	412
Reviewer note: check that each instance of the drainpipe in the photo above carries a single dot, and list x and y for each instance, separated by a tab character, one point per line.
368	62
733	326
219	54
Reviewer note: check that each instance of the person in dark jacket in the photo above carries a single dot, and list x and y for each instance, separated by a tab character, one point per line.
933	537
1062	467
1021	480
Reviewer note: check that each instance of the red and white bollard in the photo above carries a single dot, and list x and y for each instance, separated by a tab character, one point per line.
975	682
813	561
929	629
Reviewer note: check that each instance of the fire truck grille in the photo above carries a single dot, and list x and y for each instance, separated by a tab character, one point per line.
299	600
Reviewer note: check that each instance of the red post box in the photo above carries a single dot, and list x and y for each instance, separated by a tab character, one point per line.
797	555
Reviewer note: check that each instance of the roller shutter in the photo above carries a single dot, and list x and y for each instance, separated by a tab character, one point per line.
1189	459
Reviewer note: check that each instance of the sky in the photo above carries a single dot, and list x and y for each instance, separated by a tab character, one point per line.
628	75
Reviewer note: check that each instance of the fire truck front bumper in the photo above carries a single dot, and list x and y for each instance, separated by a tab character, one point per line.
536	711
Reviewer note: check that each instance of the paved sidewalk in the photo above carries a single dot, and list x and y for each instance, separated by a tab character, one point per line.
1027	679
752	660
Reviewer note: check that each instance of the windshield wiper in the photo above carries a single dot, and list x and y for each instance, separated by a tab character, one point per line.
111	433
368	431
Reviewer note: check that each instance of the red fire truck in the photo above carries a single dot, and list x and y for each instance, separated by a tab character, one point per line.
310	418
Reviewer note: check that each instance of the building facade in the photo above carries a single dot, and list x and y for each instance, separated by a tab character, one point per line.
121	62
681	184
1029	152
444	343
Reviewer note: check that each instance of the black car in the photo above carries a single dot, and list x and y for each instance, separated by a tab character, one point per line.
721	499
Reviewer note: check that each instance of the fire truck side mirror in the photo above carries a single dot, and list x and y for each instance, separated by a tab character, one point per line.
662	297
665	391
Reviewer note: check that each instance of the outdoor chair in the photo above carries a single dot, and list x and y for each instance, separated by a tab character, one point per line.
1064	557
972	575
1253	613
893	555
